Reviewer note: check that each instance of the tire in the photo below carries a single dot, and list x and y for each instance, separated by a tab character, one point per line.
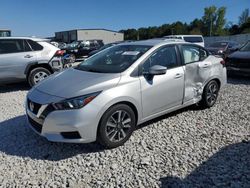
33	77
112	132
210	94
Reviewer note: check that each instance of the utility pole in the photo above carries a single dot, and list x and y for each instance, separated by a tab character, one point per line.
172	31
211	25
138	34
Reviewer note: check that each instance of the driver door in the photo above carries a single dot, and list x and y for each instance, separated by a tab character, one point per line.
162	92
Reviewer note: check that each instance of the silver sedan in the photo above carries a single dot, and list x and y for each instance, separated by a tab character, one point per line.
109	94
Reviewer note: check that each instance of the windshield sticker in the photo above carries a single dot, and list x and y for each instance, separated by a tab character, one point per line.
130	53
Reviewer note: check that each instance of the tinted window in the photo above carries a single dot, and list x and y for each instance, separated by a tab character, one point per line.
34	45
165	56
114	60
193	39
26	46
11	46
193	54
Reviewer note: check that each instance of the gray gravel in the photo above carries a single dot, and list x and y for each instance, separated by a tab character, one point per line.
188	148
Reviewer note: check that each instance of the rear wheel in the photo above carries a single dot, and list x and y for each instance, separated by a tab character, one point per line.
210	94
116	126
37	74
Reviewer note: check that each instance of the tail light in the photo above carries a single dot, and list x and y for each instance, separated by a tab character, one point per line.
223	62
59	52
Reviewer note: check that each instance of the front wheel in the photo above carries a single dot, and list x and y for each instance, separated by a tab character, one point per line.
37	74
116	126
210	94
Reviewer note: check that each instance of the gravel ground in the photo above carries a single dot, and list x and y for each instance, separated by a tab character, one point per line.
188	148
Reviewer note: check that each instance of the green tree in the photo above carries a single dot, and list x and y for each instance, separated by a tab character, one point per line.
243	17
214	20
220	21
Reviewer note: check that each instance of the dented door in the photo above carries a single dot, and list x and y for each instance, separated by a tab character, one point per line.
197	71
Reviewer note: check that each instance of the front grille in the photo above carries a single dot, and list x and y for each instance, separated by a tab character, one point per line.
35	108
71	135
37	126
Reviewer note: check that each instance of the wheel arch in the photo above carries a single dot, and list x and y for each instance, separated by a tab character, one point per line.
34	65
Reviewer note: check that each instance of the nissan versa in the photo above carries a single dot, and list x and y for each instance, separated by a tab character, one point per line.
108	94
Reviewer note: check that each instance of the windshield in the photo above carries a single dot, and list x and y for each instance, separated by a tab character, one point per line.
113	60
246	47
218	45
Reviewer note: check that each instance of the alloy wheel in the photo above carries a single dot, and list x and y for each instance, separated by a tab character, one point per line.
118	126
39	76
212	93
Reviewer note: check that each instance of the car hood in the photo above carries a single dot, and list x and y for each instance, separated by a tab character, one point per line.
240	55
72	82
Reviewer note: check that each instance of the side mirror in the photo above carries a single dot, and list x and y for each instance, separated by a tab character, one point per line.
157	70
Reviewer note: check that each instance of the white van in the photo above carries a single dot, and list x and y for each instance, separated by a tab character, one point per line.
196	39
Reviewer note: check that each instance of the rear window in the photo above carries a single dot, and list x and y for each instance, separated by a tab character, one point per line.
193	39
34	45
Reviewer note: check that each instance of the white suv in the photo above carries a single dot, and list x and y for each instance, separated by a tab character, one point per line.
32	59
196	39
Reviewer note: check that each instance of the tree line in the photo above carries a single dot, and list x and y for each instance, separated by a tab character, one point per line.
213	23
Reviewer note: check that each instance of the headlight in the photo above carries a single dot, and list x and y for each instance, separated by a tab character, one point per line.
75	103
220	52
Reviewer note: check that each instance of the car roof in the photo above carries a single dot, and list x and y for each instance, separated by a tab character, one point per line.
153	42
183	36
27	38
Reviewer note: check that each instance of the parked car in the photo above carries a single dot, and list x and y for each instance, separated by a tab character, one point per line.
54	43
105	97
62	45
102	48
82	48
31	59
238	63
196	39
223	48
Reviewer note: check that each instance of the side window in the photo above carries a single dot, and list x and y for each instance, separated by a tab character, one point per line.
193	54
165	56
11	46
34	45
190	54
203	54
26	46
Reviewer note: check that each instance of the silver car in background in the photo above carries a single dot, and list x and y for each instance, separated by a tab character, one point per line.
107	95
28	58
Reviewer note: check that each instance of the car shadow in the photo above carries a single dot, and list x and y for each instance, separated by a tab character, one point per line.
18	139
229	167
5	88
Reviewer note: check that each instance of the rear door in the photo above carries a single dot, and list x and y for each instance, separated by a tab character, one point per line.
197	70
15	54
162	91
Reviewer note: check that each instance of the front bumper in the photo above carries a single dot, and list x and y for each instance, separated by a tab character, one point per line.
73	126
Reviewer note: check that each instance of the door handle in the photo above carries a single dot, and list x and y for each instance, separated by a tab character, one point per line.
178	75
28	56
205	66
